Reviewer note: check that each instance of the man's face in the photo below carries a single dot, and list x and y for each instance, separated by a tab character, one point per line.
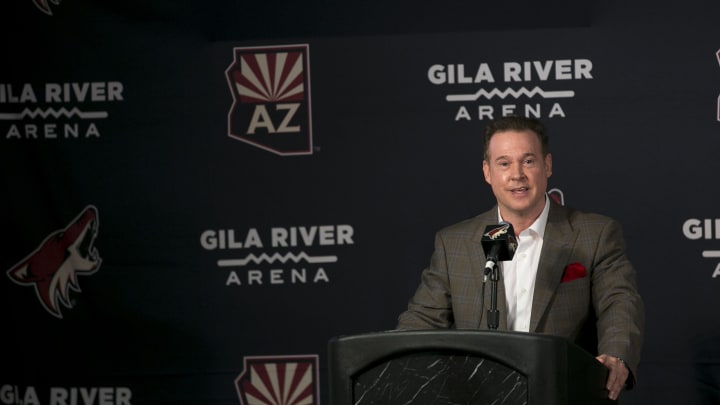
517	171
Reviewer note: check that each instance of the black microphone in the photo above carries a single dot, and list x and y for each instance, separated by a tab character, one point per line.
499	243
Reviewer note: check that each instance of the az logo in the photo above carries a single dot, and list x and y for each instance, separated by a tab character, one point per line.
279	380
271	93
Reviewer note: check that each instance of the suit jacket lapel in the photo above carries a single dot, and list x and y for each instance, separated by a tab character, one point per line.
556	249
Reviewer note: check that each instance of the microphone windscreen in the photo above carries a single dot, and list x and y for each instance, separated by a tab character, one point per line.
502	236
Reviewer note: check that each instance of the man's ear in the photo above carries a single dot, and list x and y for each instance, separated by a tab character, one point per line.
486	171
548	165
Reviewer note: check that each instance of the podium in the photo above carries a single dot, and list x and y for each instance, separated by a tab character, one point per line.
446	367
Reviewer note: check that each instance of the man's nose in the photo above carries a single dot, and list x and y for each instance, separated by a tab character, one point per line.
517	172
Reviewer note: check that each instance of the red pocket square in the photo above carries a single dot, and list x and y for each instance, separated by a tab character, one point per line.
573	272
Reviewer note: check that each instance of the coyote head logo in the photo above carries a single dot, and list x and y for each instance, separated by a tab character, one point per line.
53	267
495	233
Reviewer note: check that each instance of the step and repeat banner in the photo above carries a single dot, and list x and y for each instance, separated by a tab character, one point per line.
190	218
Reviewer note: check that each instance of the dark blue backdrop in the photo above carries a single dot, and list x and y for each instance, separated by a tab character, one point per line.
215	259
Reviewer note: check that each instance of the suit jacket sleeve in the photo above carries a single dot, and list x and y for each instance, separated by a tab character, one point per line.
431	306
618	306
449	294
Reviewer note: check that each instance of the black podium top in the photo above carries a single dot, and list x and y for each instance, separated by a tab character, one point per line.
462	367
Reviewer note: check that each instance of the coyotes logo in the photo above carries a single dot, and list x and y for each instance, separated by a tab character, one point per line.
498	232
53	267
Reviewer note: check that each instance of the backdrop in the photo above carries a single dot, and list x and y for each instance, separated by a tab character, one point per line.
197	196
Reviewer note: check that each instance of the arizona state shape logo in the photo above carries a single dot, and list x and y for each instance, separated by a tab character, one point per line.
271	93
279	380
53	267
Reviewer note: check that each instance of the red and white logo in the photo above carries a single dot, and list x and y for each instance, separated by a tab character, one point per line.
557	195
53	267
271	93
497	232
279	380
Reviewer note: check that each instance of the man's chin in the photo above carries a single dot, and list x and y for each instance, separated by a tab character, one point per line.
522	208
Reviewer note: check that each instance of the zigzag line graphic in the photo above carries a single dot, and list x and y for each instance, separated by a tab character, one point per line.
510	92
276	257
51	112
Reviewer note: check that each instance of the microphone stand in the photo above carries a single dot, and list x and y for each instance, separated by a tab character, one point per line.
493	319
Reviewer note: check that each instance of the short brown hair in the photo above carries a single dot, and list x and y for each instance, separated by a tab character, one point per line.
514	123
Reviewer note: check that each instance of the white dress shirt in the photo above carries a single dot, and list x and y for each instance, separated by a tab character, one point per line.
520	273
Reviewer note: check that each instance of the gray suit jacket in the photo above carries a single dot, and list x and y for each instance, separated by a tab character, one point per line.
602	312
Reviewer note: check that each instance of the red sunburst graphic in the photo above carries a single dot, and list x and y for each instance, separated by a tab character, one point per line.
274	382
270	77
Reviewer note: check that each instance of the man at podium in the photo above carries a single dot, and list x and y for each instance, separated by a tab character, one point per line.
568	276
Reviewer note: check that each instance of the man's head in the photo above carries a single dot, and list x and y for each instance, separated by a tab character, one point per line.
517	164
